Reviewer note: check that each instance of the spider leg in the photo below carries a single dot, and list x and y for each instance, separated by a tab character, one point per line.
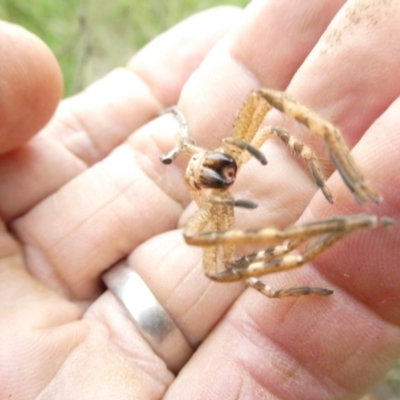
185	144
178	114
301	149
327	232
230	143
215	213
280	257
284	262
232	202
268	254
337	148
269	265
276	263
250	117
322	233
296	291
272	236
246	125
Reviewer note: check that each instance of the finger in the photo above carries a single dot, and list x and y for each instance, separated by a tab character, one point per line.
329	348
121	195
157	260
266	49
49	351
90	125
116	364
196	315
309	348
328	81
33	345
84	130
355	37
314	347
232	70
371	256
191	43
28	68
172	270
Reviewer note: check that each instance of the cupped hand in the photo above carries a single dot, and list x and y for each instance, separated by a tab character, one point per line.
85	192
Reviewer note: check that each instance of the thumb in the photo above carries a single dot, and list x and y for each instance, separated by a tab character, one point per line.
27	67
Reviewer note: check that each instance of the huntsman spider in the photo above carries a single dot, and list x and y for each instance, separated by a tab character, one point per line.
210	174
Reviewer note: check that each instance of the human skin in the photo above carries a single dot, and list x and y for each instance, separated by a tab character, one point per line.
89	189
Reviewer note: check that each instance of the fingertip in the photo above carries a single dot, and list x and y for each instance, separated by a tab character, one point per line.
166	62
31	85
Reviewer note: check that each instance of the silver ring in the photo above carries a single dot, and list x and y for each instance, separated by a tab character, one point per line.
156	326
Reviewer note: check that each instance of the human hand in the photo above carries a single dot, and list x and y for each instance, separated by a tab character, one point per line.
308	347
50	273
249	346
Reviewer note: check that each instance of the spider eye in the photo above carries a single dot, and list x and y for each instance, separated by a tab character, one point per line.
218	171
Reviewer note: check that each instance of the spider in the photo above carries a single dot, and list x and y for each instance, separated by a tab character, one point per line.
210	174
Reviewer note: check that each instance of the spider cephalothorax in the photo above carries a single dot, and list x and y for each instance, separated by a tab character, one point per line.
210	174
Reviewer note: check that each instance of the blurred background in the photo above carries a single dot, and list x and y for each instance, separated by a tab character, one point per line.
89	38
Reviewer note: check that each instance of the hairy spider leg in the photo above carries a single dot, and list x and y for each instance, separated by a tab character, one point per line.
280	257
337	148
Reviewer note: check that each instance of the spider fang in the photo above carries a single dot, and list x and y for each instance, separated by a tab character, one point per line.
215	170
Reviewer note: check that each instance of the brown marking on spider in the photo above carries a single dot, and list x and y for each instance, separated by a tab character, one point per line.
210	174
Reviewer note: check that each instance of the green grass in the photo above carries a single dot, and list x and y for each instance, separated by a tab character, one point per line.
90	38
